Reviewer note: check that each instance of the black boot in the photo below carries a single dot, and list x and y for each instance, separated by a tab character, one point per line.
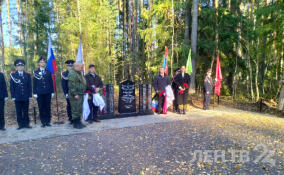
78	124
74	123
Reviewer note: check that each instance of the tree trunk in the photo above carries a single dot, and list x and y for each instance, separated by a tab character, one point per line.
187	23
194	43
9	23
2	60
173	36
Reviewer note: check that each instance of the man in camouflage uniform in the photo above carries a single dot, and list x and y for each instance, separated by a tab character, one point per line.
77	89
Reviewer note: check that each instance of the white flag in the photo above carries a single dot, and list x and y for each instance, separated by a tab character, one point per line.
80	54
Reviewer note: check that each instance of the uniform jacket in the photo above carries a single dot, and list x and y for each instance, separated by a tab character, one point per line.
208	85
183	79
64	81
175	85
160	82
3	87
76	83
42	82
93	80
21	86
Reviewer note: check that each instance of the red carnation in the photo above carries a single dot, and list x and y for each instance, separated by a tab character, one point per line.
185	85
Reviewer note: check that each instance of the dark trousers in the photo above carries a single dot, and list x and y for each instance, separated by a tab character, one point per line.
22	110
93	110
206	101
2	120
175	104
69	112
161	104
44	102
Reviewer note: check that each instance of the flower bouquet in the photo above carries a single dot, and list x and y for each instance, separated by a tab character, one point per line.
185	86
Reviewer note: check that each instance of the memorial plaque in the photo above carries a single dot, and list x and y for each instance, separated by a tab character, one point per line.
109	102
145	99
127	100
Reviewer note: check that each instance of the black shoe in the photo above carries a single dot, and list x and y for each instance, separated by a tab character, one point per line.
48	125
20	127
90	121
2	129
97	120
29	127
43	126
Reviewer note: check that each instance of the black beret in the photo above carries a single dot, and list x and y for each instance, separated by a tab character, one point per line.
19	62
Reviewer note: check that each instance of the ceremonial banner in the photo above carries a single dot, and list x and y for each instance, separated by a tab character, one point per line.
218	77
165	62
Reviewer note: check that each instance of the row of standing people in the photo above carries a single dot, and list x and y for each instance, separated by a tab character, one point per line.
180	85
21	90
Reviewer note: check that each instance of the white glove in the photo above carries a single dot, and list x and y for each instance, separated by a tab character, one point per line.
66	96
6	98
13	99
52	95
30	98
35	95
207	92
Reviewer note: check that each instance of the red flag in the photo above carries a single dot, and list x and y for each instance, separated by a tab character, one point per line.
218	77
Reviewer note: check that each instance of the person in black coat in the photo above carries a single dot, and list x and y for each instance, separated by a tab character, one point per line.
175	90
160	83
21	92
183	81
43	91
64	84
3	98
94	84
207	90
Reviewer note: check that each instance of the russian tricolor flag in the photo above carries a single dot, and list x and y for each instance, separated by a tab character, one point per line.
51	62
165	62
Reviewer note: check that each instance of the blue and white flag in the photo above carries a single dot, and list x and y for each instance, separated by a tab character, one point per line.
79	58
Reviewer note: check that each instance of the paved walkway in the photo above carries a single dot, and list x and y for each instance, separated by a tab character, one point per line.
166	144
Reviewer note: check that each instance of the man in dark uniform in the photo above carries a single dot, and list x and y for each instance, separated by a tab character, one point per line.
3	98
175	89
207	90
43	91
94	83
64	84
160	83
21	92
183	81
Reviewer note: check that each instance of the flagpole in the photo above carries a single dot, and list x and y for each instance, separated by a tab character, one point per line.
80	26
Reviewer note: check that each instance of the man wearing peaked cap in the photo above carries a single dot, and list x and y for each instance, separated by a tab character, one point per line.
21	92
175	89
43	91
207	90
64	84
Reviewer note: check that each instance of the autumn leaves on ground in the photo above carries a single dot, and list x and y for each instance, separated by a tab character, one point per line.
171	147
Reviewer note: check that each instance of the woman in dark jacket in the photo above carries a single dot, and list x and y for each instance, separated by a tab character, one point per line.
183	81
